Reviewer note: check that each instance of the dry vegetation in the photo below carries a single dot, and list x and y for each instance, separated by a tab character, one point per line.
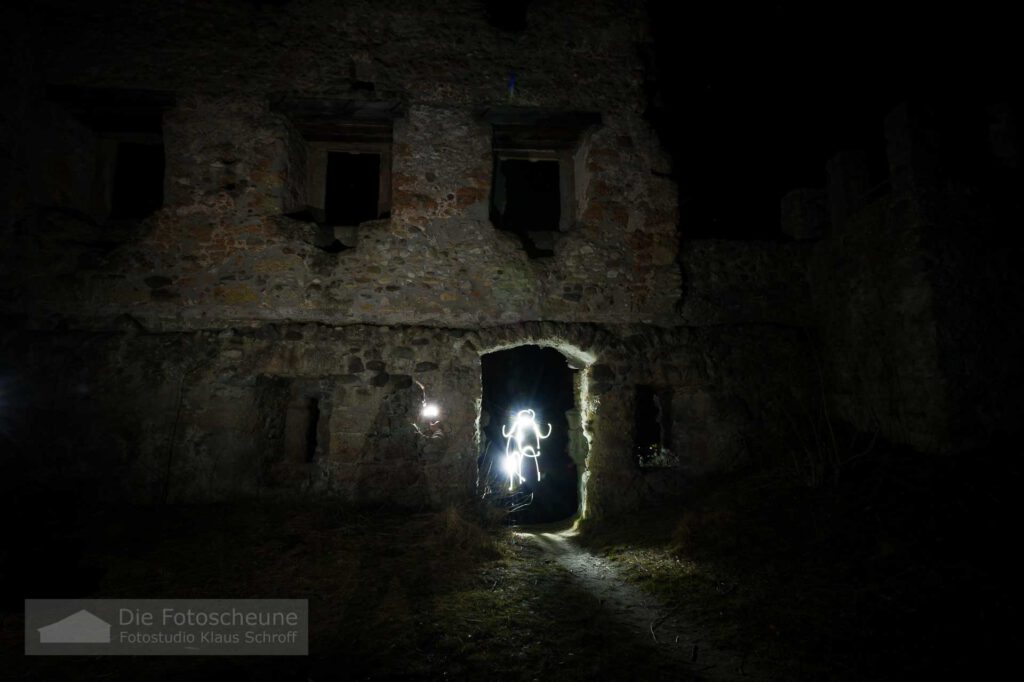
897	571
439	595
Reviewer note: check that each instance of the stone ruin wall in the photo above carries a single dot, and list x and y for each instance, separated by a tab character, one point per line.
222	251
186	347
211	414
914	290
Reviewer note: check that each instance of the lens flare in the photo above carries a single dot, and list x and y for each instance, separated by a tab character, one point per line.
522	441
509	466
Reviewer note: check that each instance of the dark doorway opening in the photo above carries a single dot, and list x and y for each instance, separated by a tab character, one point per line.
138	186
352	192
526	199
529	377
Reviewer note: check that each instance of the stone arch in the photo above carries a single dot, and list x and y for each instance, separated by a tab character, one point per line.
582	346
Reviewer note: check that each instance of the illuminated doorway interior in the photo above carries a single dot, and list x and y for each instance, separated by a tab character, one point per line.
516	380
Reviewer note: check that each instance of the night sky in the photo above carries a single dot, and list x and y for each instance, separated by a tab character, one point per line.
752	101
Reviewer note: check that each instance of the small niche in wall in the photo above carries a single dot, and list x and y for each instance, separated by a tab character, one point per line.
312	425
652	424
304	427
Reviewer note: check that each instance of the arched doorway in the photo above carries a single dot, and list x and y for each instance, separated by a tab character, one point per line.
541	379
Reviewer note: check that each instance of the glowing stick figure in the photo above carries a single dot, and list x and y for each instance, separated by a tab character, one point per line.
523	439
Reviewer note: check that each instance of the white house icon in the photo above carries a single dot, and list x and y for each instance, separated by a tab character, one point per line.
78	628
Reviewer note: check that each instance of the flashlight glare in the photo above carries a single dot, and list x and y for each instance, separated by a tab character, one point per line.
430	411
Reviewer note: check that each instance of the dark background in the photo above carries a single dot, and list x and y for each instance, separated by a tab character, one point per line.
752	100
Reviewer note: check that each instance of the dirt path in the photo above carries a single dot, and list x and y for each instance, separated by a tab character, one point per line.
678	641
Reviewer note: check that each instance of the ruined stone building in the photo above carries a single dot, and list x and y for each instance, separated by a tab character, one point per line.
244	242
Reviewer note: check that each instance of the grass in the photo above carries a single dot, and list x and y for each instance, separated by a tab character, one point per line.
435	595
896	572
901	569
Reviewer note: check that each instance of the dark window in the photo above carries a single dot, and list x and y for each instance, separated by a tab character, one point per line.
533	186
127	181
526	199
138	186
507	15
348	162
352	190
527	196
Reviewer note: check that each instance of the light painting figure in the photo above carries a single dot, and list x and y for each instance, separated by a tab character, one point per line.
522	441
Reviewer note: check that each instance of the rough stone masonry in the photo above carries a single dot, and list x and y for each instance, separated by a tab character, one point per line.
183	356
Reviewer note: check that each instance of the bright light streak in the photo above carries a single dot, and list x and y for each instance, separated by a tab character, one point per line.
522	440
430	411
509	466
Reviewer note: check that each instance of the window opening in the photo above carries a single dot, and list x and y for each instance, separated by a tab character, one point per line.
527	196
352	188
138	180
